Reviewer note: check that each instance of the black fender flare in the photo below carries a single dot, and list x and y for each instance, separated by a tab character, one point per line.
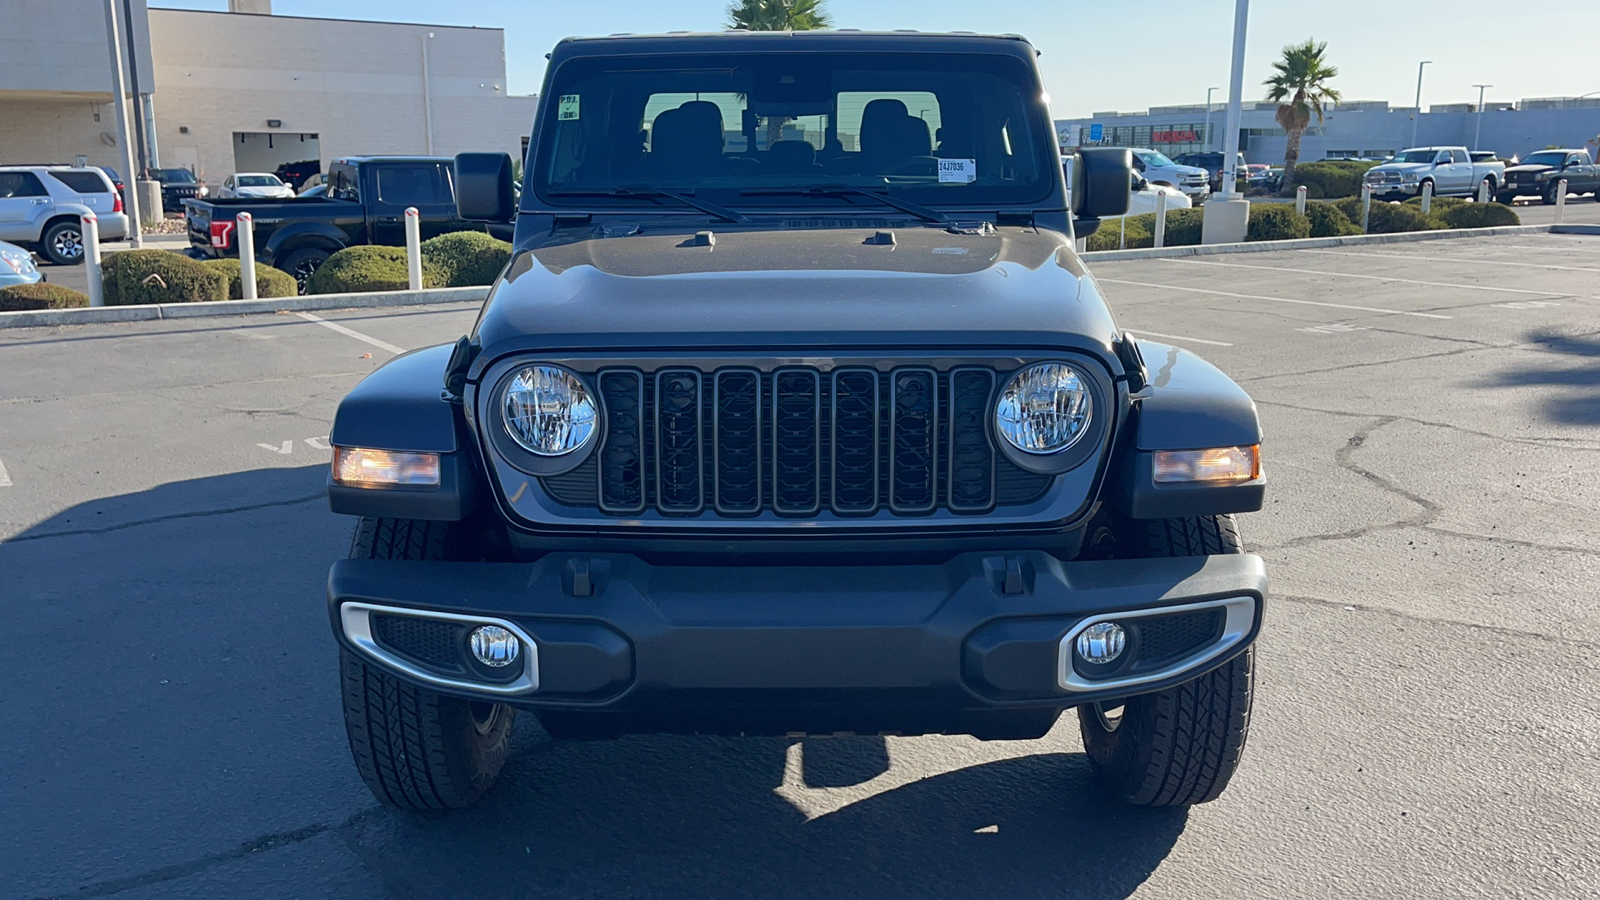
1186	403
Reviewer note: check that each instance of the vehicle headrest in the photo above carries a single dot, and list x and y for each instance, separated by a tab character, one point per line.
792	154
690	133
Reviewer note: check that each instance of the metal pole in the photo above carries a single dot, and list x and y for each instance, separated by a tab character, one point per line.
247	256
119	99
1208	117
1561	201
1230	139
1366	207
413	248
1300	199
91	259
1161	220
133	88
1477	133
1427	196
1416	114
427	99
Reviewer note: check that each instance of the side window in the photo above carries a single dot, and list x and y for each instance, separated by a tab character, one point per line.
410	185
21	184
82	182
1575	160
1458	156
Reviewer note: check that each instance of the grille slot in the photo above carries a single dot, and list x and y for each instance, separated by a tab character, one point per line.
430	642
796	441
679	459
1170	637
737	446
913	426
971	453
854	463
622	455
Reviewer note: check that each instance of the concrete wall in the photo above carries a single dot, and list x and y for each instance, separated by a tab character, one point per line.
60	47
358	86
58	129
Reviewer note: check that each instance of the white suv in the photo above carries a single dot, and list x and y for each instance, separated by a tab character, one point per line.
41	206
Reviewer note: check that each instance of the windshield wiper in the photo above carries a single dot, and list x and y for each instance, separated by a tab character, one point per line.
721	212
925	213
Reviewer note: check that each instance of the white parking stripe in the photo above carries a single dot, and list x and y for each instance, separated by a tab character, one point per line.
350	332
1457	259
1459	287
5	479
1178	337
1370	309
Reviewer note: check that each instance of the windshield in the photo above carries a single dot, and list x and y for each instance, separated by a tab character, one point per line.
1154	159
178	176
1416	156
1546	159
259	181
745	130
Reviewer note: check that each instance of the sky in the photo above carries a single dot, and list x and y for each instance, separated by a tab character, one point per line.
1097	56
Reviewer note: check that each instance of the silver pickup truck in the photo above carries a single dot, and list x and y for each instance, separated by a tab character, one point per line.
1450	170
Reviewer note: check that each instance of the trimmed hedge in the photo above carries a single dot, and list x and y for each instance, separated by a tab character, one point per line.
1480	215
270	282
1183	226
1183	230
40	296
1276	222
1328	221
136	277
365	269
465	258
1333	178
1389	218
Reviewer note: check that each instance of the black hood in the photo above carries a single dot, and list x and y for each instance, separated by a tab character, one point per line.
755	290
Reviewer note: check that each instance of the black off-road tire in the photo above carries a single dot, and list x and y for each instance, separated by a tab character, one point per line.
1551	194
300	264
1179	746
417	749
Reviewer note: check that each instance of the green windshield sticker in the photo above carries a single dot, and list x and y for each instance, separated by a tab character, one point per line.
567	108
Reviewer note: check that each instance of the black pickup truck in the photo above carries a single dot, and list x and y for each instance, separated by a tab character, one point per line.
365	204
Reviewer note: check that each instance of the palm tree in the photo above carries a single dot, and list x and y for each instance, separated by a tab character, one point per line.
777	15
1302	79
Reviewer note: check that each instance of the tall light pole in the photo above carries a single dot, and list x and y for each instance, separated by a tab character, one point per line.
119	103
1208	117
1230	139
1477	133
1416	116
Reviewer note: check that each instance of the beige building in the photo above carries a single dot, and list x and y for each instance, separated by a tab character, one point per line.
245	90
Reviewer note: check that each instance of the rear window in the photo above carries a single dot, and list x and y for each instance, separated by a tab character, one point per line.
83	182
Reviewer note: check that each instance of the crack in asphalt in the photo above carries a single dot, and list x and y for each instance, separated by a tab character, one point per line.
192	514
1438	620
1554	443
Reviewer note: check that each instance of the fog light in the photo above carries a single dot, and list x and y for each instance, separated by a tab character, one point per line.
360	467
1221	465
494	646
1101	643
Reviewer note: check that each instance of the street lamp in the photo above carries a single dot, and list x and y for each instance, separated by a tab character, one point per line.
1416	116
1477	133
1208	116
1230	138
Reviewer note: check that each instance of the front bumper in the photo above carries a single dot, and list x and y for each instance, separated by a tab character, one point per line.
1389	189
980	633
1196	190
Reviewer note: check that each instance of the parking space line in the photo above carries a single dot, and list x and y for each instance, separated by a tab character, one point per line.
1441	284
1178	337
1192	290
350	332
1457	259
5	479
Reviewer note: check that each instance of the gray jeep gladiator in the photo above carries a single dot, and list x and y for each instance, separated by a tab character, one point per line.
794	413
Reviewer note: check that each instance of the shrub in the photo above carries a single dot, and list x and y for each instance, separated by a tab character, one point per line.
465	258
1389	218
1331	178
1276	222
1328	221
1139	231
1480	215
135	277
40	296
270	282
1183	227
357	270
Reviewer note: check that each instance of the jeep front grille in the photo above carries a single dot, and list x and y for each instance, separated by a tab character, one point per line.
795	441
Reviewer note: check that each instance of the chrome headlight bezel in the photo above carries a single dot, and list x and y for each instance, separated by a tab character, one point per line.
1085	445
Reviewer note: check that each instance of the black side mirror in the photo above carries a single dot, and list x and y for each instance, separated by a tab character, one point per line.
483	187
1139	184
1102	181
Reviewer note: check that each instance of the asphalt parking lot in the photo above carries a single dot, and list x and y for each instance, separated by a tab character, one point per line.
1427	723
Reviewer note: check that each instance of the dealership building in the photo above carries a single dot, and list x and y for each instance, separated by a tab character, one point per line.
1371	129
247	91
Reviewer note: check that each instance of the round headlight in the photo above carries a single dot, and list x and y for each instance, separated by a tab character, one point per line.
549	411
1044	408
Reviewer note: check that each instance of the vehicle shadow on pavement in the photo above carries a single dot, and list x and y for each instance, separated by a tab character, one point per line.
1579	403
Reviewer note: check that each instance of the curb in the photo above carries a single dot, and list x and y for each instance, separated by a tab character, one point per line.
1354	240
35	318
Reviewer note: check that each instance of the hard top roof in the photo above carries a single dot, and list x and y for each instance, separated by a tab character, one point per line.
820	40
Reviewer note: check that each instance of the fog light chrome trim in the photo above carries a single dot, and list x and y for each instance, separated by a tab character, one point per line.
1237	624
356	619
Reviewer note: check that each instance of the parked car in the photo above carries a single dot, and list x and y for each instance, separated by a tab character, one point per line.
178	185
365	204
1450	170
1541	174
16	266
41	208
1154	166
116	181
855	447
1211	162
253	184
298	174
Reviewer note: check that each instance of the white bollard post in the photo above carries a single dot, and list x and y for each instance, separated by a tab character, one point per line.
247	256
414	248
1122	232
1483	191
1161	219
1427	196
1300	199
1366	207
1561	201
91	258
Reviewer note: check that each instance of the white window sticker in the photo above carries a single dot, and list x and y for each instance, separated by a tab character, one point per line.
567	108
958	171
